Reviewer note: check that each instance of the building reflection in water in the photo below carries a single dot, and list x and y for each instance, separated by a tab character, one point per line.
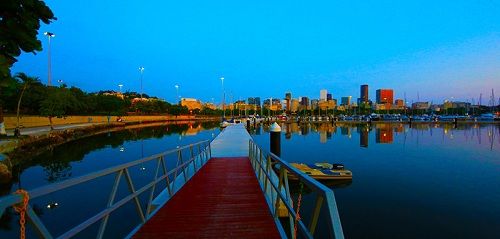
363	136
386	132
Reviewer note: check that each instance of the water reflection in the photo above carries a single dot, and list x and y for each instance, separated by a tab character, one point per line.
425	181
92	154
57	163
385	133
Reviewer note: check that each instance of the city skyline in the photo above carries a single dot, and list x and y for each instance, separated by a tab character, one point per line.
446	57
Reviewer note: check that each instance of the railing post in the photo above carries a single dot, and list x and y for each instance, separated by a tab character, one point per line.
268	166
192	157
151	195
210	150
200	155
315	215
136	198
104	221
165	172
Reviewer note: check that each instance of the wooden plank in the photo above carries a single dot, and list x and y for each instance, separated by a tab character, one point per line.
222	200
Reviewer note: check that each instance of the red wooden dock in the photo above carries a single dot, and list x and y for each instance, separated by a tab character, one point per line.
222	200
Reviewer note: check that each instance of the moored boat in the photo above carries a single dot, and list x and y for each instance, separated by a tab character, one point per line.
322	171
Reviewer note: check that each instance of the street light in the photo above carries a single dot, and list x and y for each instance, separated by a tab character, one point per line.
141	69
120	87
177	90
223	99
49	36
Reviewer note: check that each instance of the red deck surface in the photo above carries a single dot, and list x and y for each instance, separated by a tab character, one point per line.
222	200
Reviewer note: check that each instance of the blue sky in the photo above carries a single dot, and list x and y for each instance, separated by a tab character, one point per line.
436	49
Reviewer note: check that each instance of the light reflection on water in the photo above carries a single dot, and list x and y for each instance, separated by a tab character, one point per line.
427	181
61	210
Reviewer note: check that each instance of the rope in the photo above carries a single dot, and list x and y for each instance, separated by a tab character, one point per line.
297	214
21	209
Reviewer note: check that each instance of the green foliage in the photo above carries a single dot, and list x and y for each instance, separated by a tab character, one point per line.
58	102
8	91
19	25
178	110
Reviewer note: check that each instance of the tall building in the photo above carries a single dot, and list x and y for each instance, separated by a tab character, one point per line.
314	104
288	98
346	101
294	105
253	100
399	103
328	96
304	101
363	94
322	94
385	96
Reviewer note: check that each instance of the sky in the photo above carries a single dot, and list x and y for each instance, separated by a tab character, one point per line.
426	50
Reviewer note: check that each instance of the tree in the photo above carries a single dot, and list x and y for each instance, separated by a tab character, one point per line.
57	103
19	24
8	88
27	81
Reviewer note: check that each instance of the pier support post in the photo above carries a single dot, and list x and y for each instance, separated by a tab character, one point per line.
248	124
275	135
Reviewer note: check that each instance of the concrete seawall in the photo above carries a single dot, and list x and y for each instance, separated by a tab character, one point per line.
36	121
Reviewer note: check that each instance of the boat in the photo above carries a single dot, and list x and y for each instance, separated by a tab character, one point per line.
322	171
224	124
488	117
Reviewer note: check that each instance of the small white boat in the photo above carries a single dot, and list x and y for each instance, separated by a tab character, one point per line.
224	124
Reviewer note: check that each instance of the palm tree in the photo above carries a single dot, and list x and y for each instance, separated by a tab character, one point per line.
26	81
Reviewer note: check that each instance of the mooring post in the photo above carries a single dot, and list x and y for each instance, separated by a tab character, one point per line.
248	124
275	130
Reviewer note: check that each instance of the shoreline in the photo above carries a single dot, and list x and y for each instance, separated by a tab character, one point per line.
15	151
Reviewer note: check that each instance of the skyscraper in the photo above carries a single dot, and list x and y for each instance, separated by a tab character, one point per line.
288	99
364	93
385	96
322	94
345	100
254	100
329	96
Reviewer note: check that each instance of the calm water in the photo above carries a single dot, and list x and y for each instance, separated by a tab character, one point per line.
429	181
89	155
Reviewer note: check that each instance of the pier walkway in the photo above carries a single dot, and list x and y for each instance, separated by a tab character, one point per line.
222	200
225	188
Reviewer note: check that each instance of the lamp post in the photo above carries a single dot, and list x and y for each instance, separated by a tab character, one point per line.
386	105
141	69
49	64
223	99
177	90
120	87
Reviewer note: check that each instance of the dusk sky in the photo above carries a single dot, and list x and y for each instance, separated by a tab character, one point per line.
437	49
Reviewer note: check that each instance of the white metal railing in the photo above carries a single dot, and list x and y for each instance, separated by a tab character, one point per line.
199	152
277	192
